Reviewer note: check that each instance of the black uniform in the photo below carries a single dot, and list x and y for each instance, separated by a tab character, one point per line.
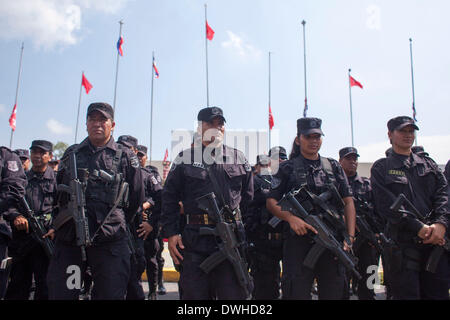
266	243
297	279
421	181
153	190
159	257
12	187
109	256
366	253
29	258
186	182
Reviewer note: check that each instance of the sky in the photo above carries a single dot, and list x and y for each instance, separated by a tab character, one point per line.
62	38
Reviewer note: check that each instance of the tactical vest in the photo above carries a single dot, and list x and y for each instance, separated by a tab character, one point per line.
300	173
99	187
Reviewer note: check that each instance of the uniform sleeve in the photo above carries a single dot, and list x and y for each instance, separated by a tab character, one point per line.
13	183
343	186
440	199
154	195
136	191
383	200
247	190
171	195
279	183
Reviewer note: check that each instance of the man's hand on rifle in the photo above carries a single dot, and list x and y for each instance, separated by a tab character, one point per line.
144	230
348	248
50	234
425	232
145	206
21	223
173	241
436	236
299	226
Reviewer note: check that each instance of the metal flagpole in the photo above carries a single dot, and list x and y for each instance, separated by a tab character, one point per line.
17	91
270	131
206	50
151	109
79	104
117	68
412	80
304	63
351	111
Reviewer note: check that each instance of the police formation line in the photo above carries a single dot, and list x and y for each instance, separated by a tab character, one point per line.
234	231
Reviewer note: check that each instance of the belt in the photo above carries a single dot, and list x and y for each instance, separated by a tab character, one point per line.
198	219
274	236
202	219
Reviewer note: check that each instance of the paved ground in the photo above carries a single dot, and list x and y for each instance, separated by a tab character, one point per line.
172	287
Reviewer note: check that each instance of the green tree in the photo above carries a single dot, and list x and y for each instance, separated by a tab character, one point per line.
59	148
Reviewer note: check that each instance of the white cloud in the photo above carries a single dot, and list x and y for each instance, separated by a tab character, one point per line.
58	128
242	48
49	23
436	146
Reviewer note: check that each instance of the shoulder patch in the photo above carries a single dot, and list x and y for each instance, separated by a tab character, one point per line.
13	166
247	166
154	181
134	161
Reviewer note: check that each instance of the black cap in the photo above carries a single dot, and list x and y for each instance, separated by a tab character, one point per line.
22	153
103	107
307	126
142	149
128	141
42	144
263	160
282	154
346	151
399	123
54	159
419	150
209	113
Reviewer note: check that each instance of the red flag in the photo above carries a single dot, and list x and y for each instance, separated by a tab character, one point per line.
166	155
271	122
12	118
209	32
86	84
353	83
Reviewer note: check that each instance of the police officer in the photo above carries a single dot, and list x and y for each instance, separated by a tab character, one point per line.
188	180
24	156
29	258
152	207
366	253
159	257
307	166
135	291
267	242
107	212
421	181
54	163
12	187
